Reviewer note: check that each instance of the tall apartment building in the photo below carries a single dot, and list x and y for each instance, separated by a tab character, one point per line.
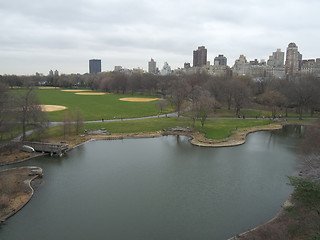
166	70
275	65
293	57
55	73
94	66
152	66
277	59
200	57
220	60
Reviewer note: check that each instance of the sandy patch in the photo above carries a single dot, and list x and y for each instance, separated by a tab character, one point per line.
52	108
48	87
76	90
91	93
139	99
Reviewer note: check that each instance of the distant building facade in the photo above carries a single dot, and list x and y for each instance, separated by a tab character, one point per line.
253	68
220	60
94	66
241	66
166	70
152	66
186	65
118	69
275	65
293	57
53	73
311	66
200	57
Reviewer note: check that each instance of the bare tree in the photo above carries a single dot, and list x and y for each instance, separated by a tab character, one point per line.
304	90
5	111
202	105
134	82
162	104
273	99
240	93
180	90
67	123
205	105
28	110
78	121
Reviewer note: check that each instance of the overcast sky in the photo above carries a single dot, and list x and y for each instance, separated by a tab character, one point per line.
39	35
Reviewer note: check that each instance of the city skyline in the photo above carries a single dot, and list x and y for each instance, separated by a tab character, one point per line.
41	35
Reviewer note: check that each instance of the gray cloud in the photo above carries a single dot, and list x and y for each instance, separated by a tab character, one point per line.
66	34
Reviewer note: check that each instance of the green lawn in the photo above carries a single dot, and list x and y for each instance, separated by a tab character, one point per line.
221	128
136	126
96	107
252	113
214	128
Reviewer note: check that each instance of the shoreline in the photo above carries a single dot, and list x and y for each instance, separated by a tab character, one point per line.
236	139
198	139
18	196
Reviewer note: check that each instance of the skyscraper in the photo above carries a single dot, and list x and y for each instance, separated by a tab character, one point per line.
278	58
200	57
220	60
292	59
152	66
94	66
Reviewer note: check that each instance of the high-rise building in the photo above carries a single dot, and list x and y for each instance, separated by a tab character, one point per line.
56	73
278	58
200	57
220	60
292	59
166	70
152	66
186	65
94	66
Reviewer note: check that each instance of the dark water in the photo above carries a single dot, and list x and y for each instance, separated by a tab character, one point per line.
161	188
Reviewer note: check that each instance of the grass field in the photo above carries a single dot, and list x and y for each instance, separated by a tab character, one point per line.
93	107
108	106
252	113
214	128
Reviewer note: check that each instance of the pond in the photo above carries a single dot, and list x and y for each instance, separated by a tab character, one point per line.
158	188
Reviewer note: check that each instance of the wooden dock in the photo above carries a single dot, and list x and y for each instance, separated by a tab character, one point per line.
51	148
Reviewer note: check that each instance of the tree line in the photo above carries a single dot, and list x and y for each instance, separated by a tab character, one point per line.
198	94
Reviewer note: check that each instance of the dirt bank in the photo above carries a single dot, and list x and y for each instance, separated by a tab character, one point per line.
15	189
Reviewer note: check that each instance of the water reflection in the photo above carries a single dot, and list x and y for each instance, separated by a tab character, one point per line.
160	188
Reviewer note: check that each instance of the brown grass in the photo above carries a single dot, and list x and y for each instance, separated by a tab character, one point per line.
76	90
48	87
139	99
90	93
